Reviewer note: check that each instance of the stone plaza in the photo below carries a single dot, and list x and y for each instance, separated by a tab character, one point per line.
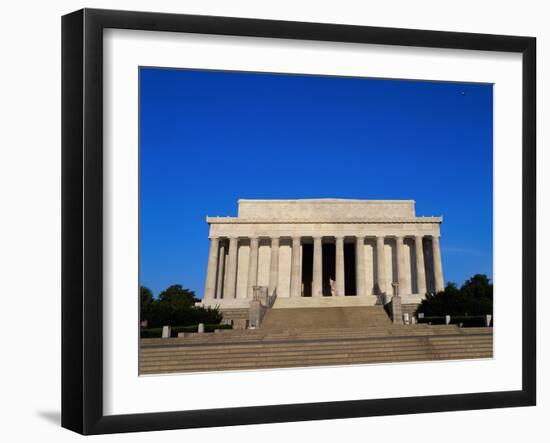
323	252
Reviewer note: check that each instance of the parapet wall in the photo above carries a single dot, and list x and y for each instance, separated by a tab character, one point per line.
325	209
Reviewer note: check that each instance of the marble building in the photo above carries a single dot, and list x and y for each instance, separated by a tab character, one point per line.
315	251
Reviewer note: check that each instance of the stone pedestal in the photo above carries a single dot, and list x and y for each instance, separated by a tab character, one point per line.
396	310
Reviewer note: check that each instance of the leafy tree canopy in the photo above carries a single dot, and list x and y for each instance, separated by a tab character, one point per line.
178	295
146	296
175	306
475	297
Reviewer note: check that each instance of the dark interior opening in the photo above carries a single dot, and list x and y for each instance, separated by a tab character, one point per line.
349	269
329	267
307	269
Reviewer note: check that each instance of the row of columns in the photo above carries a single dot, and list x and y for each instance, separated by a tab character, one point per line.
217	267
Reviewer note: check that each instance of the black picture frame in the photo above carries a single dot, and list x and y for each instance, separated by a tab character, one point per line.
82	215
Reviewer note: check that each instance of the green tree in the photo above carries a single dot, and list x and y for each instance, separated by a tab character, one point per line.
177	295
475	297
146	302
479	286
175	306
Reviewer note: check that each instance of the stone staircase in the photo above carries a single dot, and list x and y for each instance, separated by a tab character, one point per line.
305	319
274	347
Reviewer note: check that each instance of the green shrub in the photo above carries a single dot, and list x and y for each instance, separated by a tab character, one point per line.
468	321
161	314
157	332
151	333
432	320
175	306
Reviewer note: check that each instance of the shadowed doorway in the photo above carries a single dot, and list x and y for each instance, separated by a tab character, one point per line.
329	267
349	269
307	269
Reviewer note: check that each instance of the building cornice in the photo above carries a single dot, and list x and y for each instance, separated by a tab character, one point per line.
237	220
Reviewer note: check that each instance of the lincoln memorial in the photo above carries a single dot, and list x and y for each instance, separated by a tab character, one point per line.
315	251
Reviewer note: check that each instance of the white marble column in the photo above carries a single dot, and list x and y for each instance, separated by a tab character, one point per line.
317	287
340	276
401	278
295	277
221	269
360	275
380	265
438	269
252	267
211	271
274	266
420	270
231	281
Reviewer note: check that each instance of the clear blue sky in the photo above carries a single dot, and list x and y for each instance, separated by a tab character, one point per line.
209	138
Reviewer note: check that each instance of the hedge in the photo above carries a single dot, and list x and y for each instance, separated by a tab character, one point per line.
468	321
157	332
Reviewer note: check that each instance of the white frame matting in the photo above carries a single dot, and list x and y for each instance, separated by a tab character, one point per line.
125	392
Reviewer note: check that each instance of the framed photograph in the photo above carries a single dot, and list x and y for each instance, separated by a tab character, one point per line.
269	221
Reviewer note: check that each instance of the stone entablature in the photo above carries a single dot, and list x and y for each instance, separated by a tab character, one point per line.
280	244
268	230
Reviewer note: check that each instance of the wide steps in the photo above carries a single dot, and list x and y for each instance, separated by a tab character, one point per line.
286	352
323	318
228	336
431	343
320	360
308	343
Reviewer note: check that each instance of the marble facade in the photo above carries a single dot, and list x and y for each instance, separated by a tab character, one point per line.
372	249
